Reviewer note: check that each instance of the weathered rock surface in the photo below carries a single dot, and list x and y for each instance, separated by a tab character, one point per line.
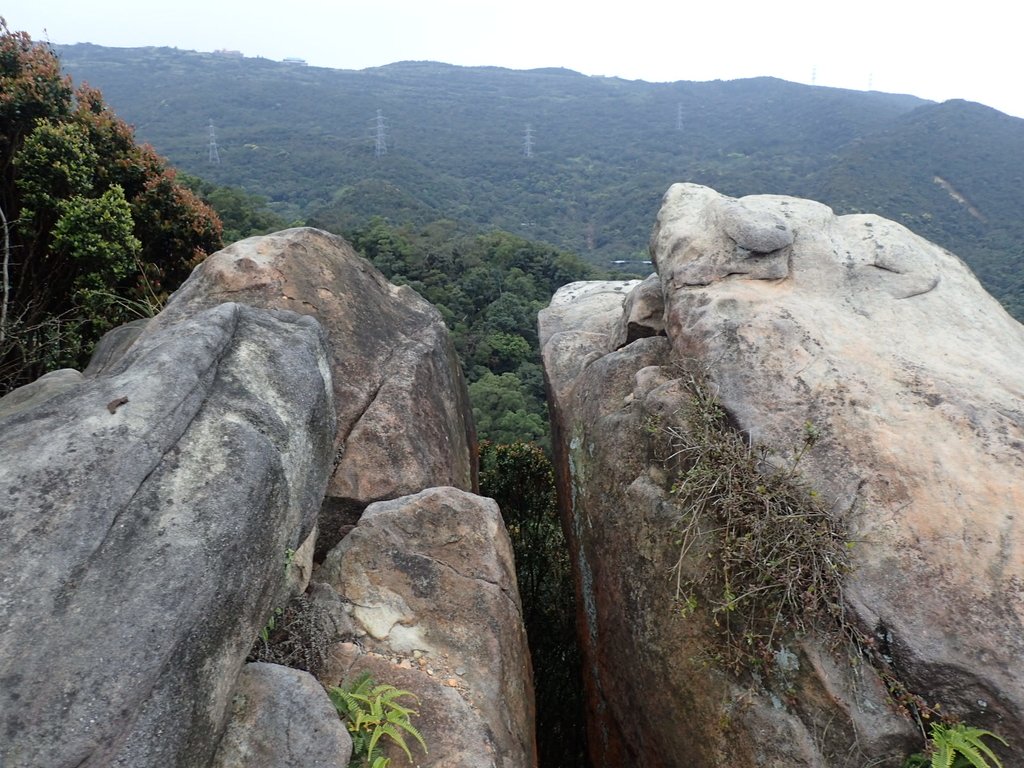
643	313
146	515
429	582
46	386
282	718
404	421
911	374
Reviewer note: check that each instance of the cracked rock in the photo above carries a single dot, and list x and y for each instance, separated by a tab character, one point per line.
431	580
404	419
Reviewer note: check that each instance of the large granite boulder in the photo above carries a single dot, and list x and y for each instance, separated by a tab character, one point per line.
404	421
910	376
147	513
429	583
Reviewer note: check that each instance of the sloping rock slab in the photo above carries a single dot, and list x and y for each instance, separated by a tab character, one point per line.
912	377
645	661
430	583
146	514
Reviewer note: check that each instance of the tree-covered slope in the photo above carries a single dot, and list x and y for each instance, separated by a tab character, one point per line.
951	172
603	149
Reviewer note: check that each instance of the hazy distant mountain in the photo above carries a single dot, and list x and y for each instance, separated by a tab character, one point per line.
603	149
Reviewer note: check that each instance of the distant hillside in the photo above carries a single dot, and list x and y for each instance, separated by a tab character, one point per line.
603	149
952	172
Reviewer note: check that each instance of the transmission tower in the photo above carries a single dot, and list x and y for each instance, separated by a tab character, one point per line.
528	141
214	158
679	117
380	141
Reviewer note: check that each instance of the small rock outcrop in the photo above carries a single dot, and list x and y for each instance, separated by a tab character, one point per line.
46	386
282	718
146	514
429	583
909	375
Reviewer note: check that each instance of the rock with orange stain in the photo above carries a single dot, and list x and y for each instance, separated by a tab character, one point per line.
912	375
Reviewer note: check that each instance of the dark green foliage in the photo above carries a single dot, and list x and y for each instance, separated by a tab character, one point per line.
521	479
505	413
488	289
93	226
241	214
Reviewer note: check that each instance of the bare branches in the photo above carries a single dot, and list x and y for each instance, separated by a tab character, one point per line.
758	552
5	278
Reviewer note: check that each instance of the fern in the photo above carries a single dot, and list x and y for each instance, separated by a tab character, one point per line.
372	712
960	746
957	746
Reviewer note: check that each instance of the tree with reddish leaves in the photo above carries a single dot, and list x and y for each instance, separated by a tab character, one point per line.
94	229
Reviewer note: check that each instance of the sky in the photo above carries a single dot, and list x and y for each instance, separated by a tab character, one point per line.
935	50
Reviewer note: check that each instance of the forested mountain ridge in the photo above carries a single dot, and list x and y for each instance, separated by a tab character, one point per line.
603	149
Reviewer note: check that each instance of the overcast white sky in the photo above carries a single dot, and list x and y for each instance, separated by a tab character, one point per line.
936	50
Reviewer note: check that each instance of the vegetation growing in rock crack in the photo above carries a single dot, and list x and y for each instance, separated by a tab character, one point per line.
763	557
372	712
296	636
956	746
758	550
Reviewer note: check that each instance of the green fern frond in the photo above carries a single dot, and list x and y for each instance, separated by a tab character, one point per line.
960	745
373	711
414	731
389	730
943	756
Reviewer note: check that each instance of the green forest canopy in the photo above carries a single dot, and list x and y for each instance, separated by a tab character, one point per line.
95	229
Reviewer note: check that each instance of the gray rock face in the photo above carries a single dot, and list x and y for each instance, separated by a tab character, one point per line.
912	375
46	386
146	516
282	718
430	583
404	421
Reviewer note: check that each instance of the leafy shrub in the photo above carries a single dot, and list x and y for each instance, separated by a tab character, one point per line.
92	226
520	477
